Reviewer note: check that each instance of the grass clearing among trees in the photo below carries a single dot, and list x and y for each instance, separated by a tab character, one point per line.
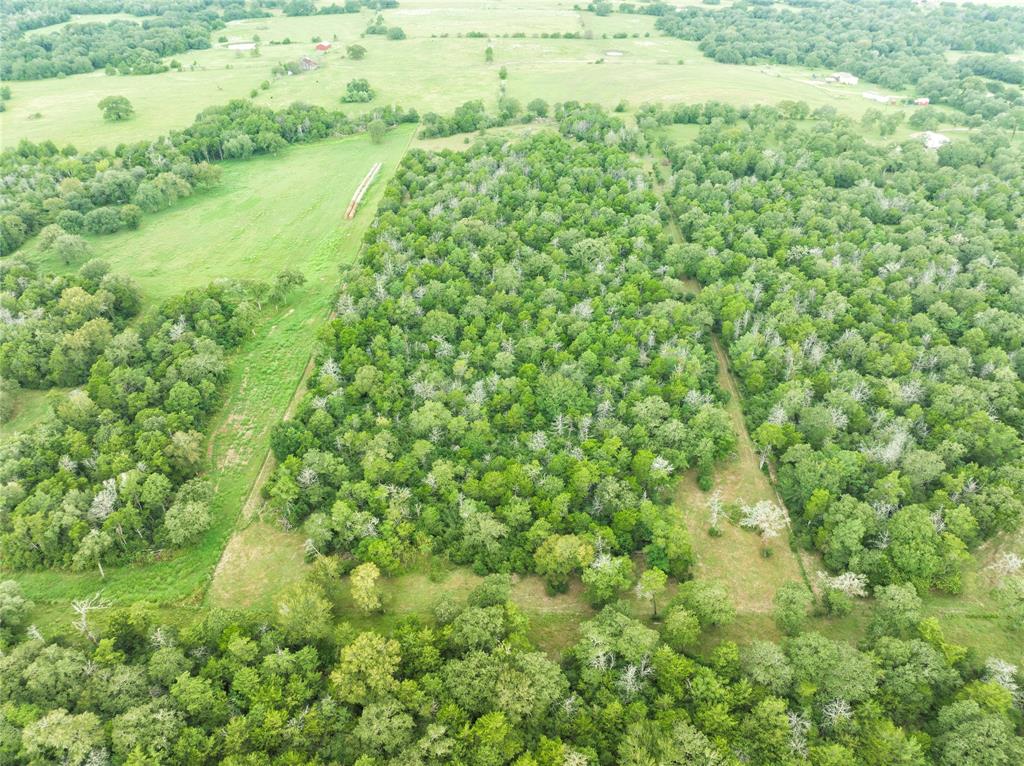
312	235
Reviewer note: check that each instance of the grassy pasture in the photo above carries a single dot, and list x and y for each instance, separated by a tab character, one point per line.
425	71
266	213
295	203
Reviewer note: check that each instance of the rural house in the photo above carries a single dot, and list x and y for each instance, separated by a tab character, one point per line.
308	64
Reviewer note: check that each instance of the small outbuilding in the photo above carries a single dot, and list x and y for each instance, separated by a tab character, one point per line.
924	101
323	47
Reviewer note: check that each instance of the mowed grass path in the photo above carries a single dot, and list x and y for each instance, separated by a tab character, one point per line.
269	213
426	71
30	406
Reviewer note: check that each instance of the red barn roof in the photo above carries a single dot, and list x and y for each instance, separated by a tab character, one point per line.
323	46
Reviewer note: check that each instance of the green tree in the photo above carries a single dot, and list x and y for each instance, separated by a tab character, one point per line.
681	629
357	91
897	611
651	585
284	282
766	664
59	737
70	248
792	602
366	669
304	613
708	600
377	129
14	610
559	557
365	592
607	577
116	108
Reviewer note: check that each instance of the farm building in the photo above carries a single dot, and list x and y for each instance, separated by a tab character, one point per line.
922	101
308	64
323	47
843	78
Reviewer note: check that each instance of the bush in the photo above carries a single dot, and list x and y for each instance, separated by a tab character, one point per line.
71	221
102	220
357	91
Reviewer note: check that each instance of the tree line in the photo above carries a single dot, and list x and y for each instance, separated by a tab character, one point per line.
127	47
467	686
103	191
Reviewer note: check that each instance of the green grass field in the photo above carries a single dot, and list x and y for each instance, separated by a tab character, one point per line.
425	71
306	230
266	213
30	406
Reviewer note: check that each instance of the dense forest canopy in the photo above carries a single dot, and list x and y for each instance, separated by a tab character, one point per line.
53	328
494	380
519	366
872	302
112	475
469	688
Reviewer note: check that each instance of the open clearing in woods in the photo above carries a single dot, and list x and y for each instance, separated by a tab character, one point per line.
252	225
735	558
265	214
30	406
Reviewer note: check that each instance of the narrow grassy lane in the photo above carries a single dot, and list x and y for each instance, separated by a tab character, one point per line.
735	557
